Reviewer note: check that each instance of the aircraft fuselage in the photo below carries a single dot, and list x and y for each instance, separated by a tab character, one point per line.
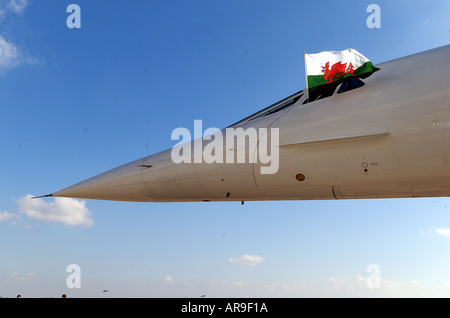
387	139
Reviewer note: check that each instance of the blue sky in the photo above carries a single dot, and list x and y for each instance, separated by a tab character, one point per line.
77	102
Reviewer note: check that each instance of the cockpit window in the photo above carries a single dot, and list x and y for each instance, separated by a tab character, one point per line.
330	89
279	107
349	84
325	91
274	108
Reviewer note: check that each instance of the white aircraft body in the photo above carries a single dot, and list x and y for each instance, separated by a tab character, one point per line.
389	138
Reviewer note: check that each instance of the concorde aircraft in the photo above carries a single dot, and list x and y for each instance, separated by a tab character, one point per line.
385	136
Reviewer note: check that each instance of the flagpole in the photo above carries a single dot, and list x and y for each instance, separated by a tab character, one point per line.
306	77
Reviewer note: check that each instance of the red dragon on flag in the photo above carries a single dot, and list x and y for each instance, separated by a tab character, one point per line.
337	71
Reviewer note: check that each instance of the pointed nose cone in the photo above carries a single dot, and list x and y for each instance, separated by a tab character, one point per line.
120	184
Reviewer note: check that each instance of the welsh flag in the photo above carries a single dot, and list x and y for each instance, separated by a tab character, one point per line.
332	67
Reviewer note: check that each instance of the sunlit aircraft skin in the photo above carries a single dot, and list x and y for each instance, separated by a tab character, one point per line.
387	139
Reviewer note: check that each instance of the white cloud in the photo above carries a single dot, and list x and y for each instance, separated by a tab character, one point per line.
168	279
9	54
14	6
247	260
17	6
359	287
442	231
22	277
6	216
65	210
